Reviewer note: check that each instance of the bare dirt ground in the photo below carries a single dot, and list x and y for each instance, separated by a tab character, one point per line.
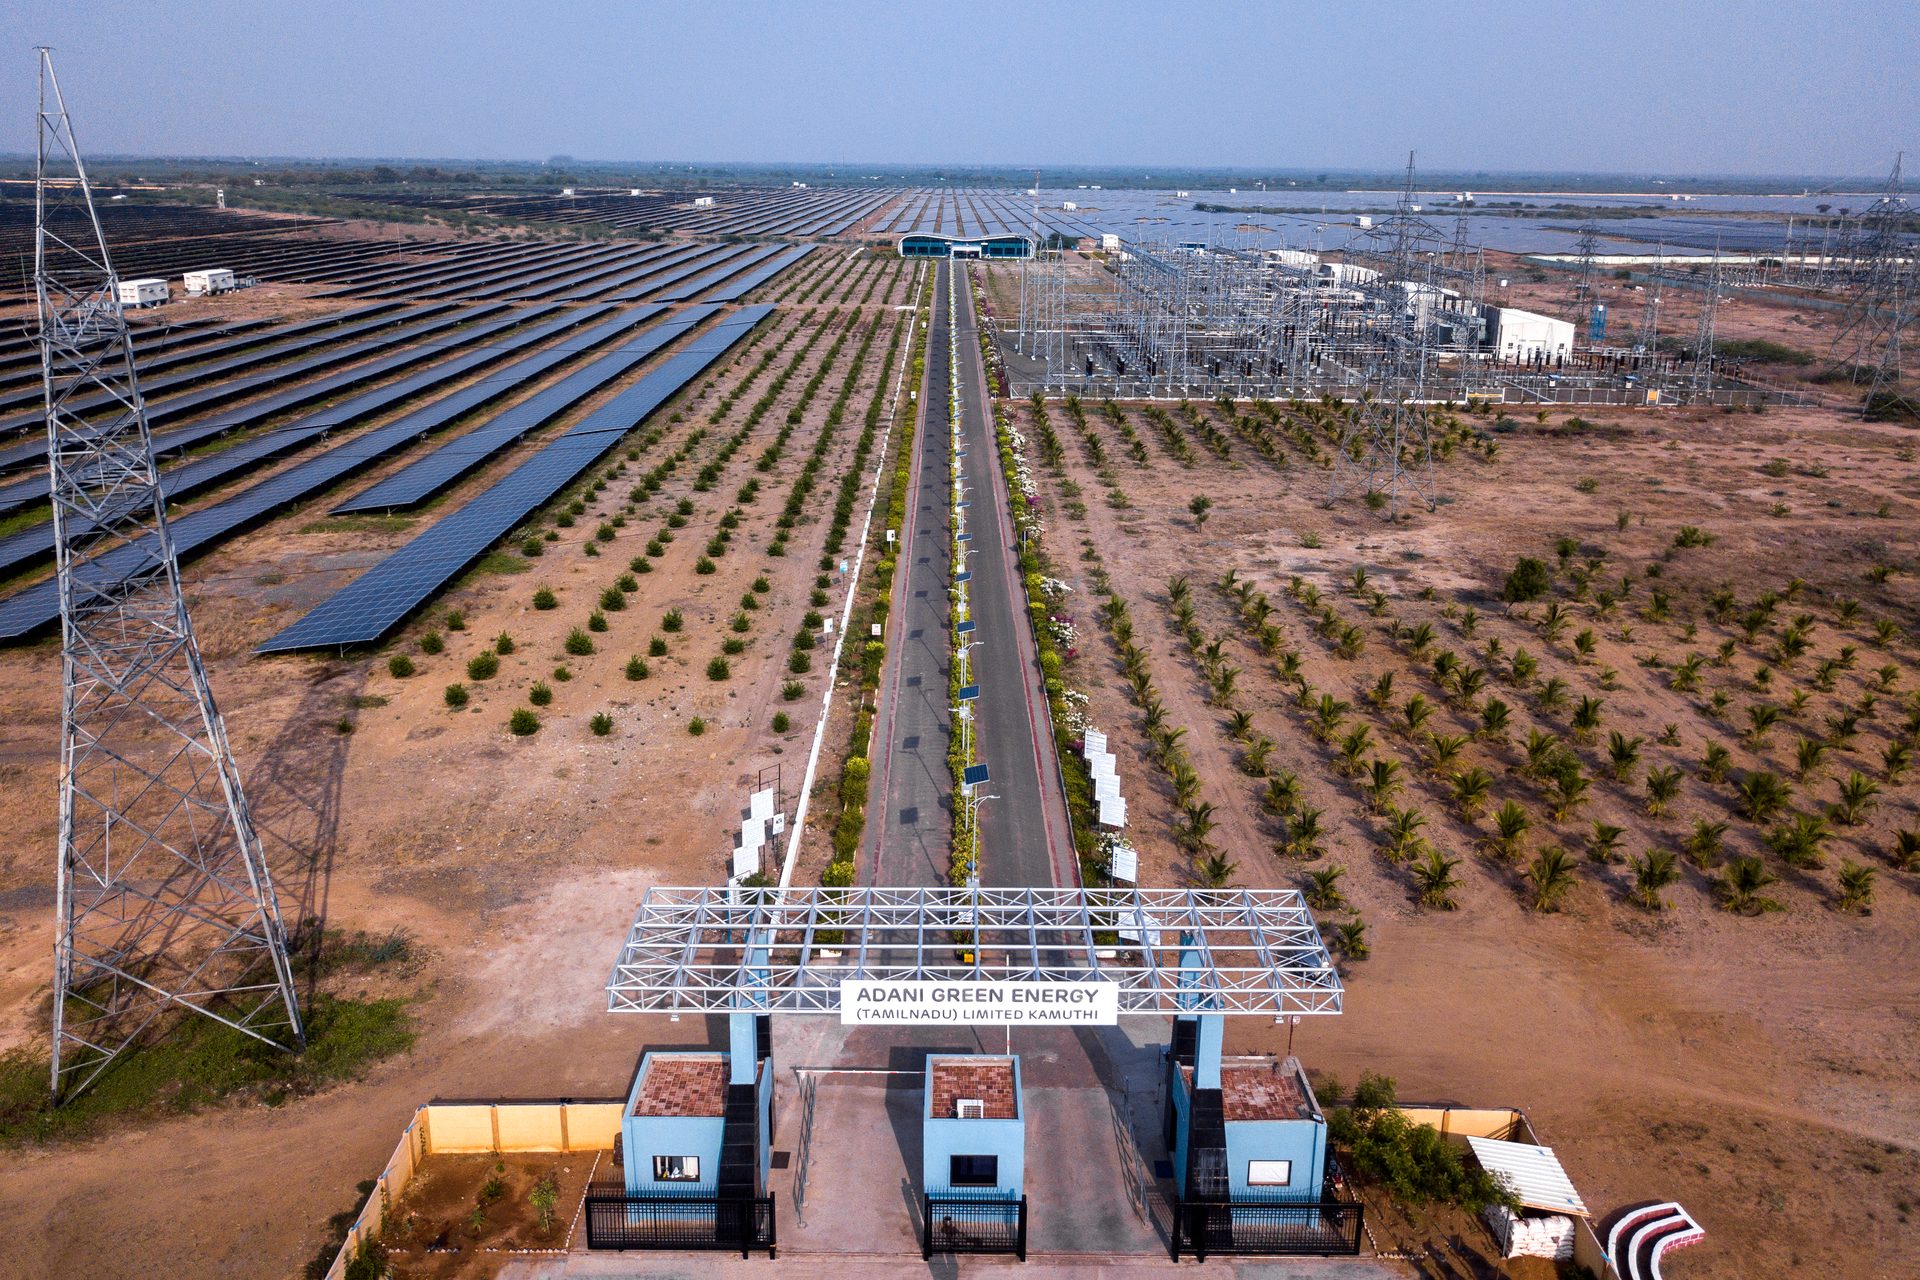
515	863
1756	1068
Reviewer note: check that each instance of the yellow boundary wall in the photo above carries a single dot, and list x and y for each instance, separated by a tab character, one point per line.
468	1128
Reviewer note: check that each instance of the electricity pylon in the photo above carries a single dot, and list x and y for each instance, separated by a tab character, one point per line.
1868	339
164	899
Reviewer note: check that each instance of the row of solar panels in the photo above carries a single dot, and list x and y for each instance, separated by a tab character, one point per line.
213	382
733	267
33	544
380	599
36	607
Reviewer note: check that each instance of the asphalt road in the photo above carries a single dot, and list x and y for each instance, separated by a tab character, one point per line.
1024	836
909	800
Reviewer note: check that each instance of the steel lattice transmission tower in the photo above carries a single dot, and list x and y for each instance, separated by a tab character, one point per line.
1867	345
164	898
1385	446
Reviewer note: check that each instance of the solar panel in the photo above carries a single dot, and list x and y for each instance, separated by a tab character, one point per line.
746	284
379	599
36	543
38	606
420	480
213	387
655	283
33	488
686	290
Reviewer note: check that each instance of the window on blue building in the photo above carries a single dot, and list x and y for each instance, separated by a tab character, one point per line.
676	1168
973	1171
1269	1173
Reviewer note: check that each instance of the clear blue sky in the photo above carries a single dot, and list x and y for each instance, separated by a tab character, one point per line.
1674	86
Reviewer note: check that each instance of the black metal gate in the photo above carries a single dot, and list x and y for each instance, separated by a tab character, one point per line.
1266	1227
959	1224
616	1220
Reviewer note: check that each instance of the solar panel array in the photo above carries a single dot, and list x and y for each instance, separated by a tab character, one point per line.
420	480
35	543
380	599
37	607
165	443
741	286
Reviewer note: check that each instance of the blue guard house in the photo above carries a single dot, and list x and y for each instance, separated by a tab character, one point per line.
696	1138
1249	1147
973	1156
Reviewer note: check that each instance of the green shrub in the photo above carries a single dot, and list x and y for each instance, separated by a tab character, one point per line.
456	695
503	644
1528	581
601	724
703	565
561	674
637	668
456	621
781	722
431	643
579	643
483	666
672	622
596	621
613	599
696	726
523	722
793	691
545	599
400	666
799	662
532	547
733	646
1413	1162
719	669
541	694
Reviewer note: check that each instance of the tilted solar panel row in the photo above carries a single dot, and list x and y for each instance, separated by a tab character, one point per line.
595	279
35	608
741	287
21	362
655	283
218	369
28	546
298	396
157	354
381	598
699	284
420	480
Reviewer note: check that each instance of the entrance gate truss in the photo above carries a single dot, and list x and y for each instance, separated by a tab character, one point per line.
1169	951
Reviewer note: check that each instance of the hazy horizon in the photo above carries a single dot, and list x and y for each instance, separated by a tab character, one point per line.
1706	90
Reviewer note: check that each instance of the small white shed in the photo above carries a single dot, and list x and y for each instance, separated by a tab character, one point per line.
146	292
210	280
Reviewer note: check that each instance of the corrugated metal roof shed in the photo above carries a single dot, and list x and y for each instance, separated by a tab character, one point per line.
1532	1173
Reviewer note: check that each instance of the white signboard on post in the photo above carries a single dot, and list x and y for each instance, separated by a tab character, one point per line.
867	1002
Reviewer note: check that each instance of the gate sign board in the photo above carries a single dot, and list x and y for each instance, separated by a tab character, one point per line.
914	1002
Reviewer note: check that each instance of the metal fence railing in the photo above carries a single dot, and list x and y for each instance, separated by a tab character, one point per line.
1266	1227
616	1220
956	1224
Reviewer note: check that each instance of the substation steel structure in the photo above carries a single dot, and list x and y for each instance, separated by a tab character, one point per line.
164	899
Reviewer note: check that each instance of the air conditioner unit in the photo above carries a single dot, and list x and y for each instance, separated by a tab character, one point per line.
970	1109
